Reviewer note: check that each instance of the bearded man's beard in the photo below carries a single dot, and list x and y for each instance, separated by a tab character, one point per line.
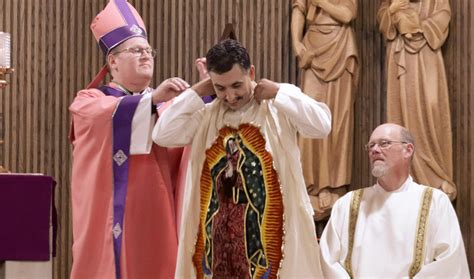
379	170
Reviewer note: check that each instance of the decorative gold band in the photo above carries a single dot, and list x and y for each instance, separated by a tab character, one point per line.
421	232
354	214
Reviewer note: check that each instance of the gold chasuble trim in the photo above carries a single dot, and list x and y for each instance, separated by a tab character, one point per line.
354	214
421	232
272	218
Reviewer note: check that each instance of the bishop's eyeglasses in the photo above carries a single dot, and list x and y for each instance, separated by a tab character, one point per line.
138	51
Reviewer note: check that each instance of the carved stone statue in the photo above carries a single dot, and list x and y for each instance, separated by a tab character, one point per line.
328	60
417	91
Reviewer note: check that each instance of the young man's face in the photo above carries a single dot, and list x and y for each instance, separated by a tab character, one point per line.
234	88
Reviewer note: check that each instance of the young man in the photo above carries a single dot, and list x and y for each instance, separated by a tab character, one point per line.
247	213
122	193
396	228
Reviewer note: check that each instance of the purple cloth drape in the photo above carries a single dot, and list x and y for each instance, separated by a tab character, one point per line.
26	205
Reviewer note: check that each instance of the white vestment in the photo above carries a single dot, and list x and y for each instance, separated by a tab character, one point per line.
384	238
189	121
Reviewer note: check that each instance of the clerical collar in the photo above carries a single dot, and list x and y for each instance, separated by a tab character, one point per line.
125	90
121	87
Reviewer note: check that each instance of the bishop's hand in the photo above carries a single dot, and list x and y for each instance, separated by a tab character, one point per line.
202	68
169	89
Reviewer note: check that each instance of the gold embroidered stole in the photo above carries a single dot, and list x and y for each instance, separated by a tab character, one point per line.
421	232
354	214
420	237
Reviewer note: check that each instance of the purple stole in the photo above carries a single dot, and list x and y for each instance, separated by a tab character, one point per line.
122	130
121	135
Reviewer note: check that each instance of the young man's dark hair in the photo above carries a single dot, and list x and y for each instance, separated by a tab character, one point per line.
222	56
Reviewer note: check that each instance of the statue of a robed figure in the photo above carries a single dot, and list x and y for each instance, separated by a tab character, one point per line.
324	43
417	90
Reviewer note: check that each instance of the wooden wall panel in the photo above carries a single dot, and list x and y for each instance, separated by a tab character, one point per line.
370	99
459	65
55	55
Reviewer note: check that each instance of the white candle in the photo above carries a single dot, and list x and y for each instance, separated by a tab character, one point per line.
5	50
